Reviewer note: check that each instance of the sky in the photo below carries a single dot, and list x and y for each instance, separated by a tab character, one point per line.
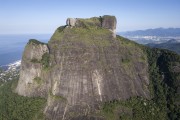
44	16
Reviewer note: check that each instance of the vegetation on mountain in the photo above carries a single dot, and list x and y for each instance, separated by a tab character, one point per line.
15	107
34	41
34	60
164	86
45	60
170	45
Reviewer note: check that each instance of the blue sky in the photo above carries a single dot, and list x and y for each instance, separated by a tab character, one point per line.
44	16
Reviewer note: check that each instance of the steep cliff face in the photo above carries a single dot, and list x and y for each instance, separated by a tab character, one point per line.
32	82
82	66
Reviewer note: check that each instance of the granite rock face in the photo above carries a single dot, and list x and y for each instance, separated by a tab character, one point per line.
109	22
31	82
71	22
87	67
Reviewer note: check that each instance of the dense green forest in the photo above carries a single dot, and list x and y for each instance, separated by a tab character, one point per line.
15	107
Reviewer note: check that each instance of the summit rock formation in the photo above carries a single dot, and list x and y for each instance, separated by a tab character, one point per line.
83	66
106	21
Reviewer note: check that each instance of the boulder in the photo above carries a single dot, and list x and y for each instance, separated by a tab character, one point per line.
109	22
71	22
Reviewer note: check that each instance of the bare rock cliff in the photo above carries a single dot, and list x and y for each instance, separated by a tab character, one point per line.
81	67
32	82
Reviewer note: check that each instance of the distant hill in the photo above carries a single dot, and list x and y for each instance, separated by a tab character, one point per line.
172	44
163	32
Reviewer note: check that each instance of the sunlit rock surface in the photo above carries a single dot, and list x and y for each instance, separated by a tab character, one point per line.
87	66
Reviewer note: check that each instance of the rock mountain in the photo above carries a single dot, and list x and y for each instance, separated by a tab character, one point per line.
83	66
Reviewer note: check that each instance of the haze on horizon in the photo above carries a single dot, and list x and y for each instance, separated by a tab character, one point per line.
39	16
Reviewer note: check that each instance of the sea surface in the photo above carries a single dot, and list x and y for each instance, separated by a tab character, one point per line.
12	46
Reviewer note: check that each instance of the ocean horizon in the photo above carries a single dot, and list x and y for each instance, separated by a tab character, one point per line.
12	46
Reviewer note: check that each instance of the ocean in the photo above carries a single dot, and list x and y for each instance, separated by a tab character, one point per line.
12	46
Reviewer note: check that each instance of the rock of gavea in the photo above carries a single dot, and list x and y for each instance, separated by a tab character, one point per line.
82	67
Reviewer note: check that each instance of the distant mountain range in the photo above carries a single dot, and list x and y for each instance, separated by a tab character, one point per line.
172	44
160	32
165	38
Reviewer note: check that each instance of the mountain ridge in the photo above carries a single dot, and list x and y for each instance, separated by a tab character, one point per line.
173	45
162	32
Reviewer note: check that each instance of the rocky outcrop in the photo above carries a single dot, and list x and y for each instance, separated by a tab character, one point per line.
106	21
71	22
31	81
109	22
87	66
